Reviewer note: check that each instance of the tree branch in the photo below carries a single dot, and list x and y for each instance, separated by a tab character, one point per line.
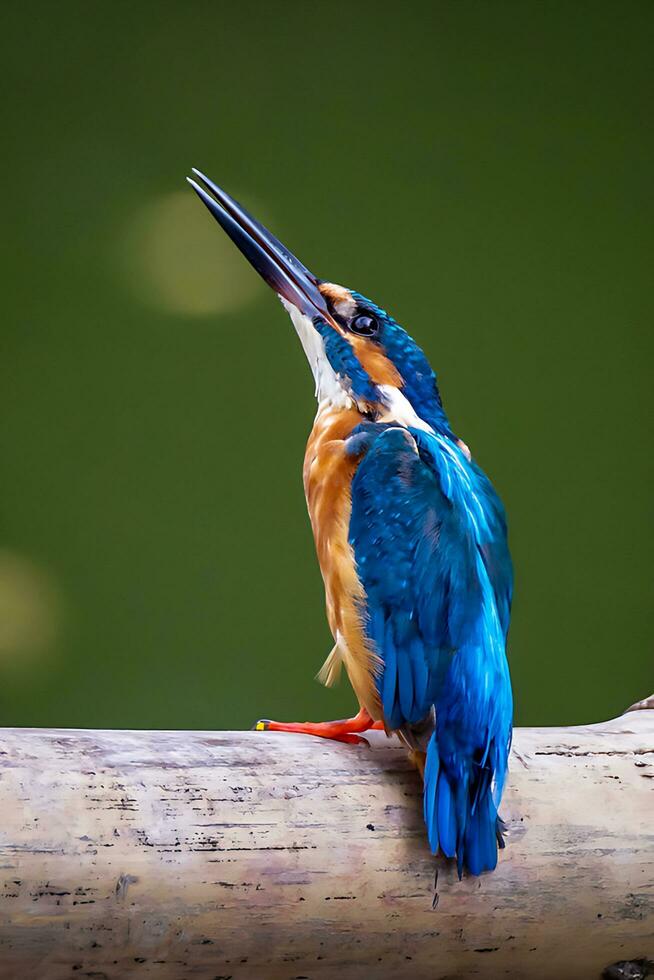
259	855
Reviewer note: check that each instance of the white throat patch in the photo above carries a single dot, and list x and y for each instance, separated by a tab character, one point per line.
329	387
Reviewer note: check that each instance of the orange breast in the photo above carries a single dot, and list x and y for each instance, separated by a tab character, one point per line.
328	472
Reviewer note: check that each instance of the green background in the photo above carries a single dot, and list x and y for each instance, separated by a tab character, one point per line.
482	169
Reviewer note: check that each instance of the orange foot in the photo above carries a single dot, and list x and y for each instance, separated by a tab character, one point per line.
338	731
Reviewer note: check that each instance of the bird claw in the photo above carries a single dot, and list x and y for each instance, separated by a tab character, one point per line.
336	731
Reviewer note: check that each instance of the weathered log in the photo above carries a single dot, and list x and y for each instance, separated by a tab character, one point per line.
259	855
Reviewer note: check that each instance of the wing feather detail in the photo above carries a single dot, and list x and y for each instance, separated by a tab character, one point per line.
422	515
397	515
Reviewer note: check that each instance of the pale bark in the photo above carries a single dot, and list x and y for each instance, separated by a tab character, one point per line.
259	855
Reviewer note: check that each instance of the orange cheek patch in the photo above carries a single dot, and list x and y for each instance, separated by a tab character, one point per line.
372	359
374	362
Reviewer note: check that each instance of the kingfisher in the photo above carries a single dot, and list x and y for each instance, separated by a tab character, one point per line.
411	539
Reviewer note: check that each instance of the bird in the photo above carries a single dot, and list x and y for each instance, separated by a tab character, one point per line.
411	539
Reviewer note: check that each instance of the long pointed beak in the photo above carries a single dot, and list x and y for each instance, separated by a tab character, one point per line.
274	263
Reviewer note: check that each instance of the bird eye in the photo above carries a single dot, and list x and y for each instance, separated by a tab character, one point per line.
364	324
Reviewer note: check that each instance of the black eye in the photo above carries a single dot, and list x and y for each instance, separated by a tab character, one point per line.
365	325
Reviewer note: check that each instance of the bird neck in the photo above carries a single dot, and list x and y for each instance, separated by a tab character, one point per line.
393	408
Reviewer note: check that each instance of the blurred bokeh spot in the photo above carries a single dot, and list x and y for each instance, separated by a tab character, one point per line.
30	611
176	261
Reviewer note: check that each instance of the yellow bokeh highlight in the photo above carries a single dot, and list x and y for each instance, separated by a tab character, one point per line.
30	610
180	261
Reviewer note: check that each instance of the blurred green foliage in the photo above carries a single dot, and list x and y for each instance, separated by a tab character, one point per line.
483	169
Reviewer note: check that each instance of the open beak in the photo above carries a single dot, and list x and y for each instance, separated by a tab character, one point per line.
274	263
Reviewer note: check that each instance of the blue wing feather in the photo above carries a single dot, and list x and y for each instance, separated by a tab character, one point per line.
395	529
429	538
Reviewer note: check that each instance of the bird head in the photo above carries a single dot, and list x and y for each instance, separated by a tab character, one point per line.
359	355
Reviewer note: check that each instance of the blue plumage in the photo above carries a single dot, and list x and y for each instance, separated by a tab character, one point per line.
429	538
344	361
423	519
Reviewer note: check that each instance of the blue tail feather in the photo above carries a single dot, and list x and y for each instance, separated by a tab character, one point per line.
468	752
480	838
447	822
461	816
432	767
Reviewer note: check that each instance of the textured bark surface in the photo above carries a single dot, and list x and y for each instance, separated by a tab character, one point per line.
260	855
